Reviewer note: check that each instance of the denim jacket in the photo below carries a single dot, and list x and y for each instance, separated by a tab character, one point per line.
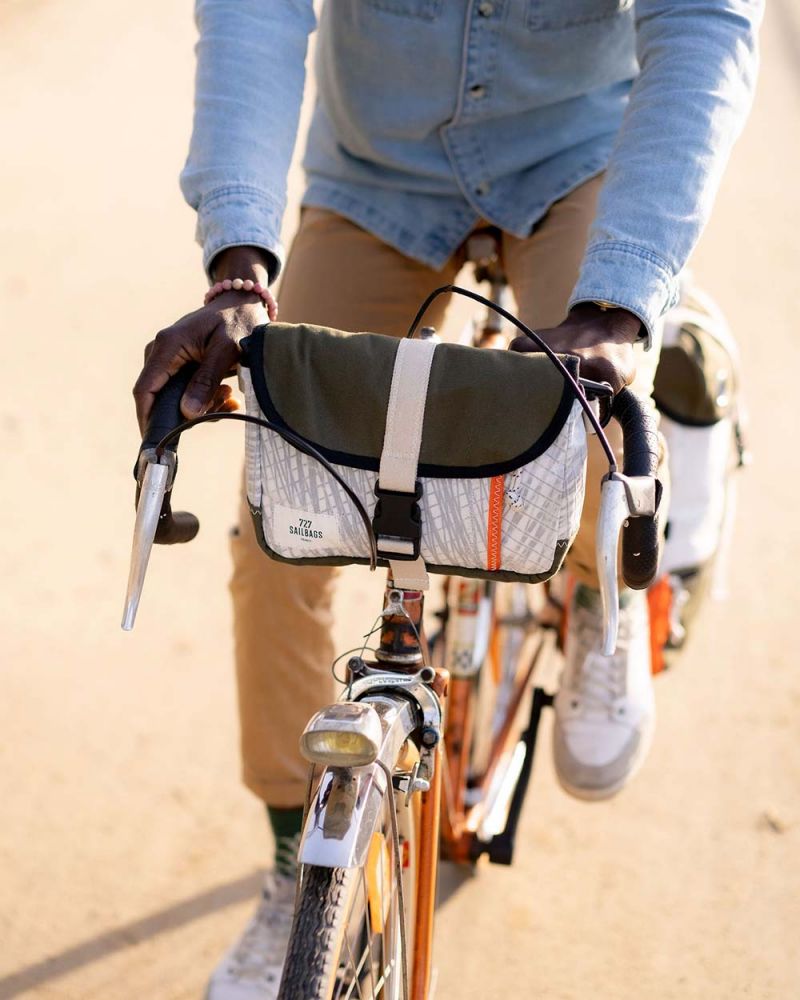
432	114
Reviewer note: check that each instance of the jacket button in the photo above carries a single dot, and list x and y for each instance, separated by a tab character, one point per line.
483	188
477	92
486	9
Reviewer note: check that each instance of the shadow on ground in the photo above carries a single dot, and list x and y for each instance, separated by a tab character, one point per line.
94	949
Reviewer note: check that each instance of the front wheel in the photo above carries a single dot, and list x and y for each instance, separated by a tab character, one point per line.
347	940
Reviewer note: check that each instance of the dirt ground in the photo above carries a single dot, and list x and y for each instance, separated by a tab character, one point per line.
129	853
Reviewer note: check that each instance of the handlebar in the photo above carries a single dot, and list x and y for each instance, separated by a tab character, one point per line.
640	534
629	506
629	501
175	527
166	412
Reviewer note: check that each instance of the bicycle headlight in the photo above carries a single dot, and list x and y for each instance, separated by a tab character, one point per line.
347	734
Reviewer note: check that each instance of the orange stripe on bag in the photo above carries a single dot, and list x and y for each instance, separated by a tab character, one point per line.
494	532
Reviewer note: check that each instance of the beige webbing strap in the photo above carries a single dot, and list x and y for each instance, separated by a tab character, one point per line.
401	444
409	575
405	415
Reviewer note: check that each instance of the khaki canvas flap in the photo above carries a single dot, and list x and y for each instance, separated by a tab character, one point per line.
488	412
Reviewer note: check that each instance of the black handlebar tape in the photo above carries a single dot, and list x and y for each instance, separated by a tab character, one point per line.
166	413
175	528
641	537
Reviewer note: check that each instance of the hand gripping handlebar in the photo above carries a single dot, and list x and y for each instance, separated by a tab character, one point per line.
155	474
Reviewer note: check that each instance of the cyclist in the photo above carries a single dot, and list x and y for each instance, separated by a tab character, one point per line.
593	133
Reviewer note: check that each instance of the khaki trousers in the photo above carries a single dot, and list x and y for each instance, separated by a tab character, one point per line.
338	275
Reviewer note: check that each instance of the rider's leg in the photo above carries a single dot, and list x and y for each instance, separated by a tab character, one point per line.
341	276
604	711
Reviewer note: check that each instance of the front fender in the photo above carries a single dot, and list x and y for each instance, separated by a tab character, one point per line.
344	814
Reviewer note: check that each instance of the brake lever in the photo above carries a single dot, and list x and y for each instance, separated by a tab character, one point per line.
150	495
155	475
621	497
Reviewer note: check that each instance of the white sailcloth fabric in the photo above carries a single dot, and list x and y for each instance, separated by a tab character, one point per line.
305	514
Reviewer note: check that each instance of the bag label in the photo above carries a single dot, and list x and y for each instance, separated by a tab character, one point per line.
292	527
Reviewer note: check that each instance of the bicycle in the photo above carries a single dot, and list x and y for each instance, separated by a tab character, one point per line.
425	754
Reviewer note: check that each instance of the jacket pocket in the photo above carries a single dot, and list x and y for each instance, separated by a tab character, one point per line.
425	9
553	15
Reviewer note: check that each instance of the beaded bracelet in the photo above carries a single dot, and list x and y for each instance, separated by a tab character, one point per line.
244	285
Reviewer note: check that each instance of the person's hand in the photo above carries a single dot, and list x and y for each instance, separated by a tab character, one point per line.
602	339
209	336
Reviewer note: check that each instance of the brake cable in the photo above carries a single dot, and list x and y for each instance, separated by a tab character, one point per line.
291	438
545	348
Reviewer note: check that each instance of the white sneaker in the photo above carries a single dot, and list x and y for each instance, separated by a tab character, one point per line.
605	711
251	969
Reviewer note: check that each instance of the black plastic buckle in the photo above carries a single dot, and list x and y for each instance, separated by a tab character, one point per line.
398	516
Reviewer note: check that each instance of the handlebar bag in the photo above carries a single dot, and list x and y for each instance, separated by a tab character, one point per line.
473	460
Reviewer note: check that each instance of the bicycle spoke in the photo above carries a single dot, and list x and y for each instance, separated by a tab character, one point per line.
346	981
391	965
385	937
368	926
383	960
339	987
357	971
392	941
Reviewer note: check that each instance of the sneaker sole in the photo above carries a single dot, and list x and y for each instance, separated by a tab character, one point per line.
609	791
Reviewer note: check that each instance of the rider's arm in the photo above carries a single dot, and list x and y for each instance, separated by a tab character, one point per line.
248	92
698	66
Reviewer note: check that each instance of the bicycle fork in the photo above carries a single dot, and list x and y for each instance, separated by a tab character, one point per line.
384	738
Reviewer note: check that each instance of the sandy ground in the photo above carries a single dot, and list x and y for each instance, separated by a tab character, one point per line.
128	851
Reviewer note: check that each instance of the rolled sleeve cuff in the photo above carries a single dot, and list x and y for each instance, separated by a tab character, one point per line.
629	277
240	216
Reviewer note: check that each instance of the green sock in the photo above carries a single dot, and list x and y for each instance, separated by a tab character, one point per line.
287	825
588	597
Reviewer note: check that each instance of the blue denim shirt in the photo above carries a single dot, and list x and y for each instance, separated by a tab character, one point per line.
432	114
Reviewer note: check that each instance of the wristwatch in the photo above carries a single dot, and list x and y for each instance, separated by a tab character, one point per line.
604	306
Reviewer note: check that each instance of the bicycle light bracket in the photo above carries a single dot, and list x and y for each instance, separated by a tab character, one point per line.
417	689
